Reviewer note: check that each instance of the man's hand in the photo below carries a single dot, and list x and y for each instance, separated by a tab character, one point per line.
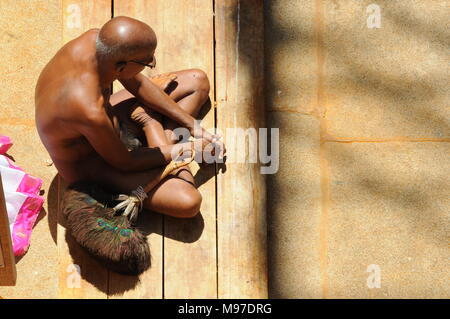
213	139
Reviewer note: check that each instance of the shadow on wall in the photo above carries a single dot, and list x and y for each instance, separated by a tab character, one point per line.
392	76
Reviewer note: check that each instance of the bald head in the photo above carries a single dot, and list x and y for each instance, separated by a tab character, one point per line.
122	37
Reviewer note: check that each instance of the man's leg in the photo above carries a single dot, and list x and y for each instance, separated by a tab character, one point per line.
190	90
173	196
191	94
177	194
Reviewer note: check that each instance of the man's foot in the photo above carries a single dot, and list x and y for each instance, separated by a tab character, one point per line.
163	80
142	116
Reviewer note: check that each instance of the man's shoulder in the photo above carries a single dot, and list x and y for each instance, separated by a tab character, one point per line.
85	102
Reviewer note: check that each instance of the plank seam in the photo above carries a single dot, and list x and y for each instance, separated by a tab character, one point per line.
387	140
163	236
163	219
108	276
112	9
215	128
58	197
320	110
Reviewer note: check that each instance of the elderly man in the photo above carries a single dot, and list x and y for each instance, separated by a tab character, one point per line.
81	124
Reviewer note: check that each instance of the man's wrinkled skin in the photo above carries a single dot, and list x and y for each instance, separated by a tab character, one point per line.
78	119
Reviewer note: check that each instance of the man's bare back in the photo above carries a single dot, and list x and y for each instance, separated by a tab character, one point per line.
76	121
59	89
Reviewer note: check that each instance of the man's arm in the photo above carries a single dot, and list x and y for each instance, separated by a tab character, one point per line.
100	133
155	98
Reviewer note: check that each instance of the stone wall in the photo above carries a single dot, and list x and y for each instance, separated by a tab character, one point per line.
359	90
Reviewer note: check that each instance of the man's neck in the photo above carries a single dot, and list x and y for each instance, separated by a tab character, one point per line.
105	73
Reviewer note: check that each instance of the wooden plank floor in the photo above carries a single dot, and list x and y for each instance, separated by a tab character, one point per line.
184	251
241	190
8	274
79	275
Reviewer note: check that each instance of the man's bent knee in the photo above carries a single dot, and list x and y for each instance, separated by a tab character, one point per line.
190	203
201	81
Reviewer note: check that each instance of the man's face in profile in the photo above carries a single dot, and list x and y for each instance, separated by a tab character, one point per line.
137	64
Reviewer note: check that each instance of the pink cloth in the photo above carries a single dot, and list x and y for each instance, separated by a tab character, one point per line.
23	202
